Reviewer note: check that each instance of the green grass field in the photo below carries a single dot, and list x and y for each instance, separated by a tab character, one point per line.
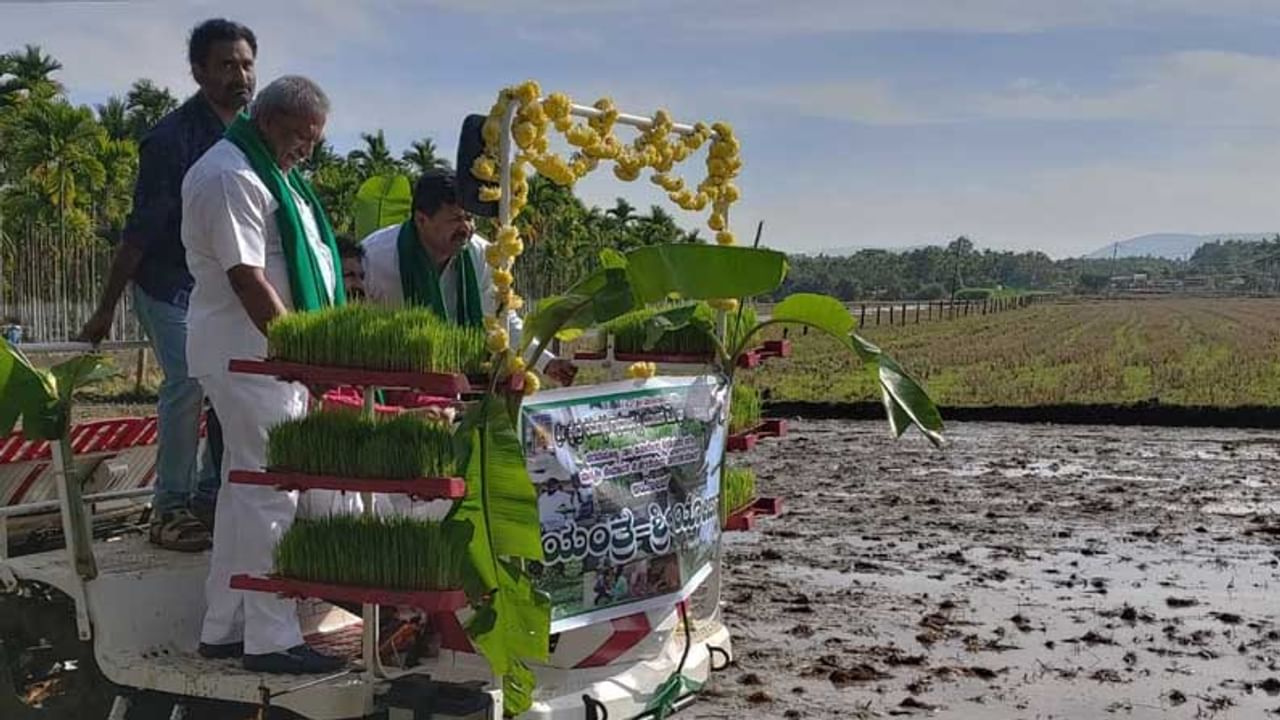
1195	351
1214	352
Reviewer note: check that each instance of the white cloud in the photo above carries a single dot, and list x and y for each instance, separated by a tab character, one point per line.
105	46
1202	87
813	17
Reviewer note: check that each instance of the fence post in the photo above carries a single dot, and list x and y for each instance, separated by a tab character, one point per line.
917	312
862	318
891	315
141	371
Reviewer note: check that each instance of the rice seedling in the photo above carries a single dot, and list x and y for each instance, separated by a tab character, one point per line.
377	338
394	553
630	331
737	489
1183	352
744	408
344	443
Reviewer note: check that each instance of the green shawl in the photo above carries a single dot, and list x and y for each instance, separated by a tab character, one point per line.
420	279
306	283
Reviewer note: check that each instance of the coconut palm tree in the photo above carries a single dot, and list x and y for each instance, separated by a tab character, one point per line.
29	71
622	211
421	157
374	158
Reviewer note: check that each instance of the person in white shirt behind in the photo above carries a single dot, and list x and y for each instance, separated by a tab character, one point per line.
435	260
259	246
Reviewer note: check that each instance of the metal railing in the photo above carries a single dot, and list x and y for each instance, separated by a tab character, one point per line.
44	506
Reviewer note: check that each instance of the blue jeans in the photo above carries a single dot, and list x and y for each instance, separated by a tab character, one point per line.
180	482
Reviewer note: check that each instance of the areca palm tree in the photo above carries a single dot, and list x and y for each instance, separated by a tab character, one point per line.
113	196
147	103
113	116
421	157
57	145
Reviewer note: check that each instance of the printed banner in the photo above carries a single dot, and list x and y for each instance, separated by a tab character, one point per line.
628	478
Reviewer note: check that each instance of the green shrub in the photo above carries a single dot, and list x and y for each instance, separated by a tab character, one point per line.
973	293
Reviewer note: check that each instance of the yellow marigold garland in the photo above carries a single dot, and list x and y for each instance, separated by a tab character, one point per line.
658	148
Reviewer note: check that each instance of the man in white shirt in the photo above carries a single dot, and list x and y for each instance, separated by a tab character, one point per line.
555	506
258	246
458	282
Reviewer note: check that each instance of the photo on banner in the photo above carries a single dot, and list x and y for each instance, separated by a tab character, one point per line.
628	482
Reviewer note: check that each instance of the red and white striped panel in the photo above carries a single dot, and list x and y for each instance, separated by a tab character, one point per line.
25	475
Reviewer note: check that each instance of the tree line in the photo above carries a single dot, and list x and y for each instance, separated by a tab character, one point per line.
938	272
67	174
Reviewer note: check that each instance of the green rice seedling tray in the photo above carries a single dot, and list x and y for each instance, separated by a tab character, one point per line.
449	488
430	383
426	600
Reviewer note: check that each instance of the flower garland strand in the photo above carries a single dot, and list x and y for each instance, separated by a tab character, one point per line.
659	148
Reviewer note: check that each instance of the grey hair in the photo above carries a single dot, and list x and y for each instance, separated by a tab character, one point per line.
292	95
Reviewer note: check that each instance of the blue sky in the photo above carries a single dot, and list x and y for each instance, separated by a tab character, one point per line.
1024	124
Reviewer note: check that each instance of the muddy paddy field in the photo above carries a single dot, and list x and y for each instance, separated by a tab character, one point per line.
1026	571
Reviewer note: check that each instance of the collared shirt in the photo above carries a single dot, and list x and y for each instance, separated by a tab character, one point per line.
382	279
154	225
228	219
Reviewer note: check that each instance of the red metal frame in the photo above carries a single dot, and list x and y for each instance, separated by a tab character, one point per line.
745	517
672	358
746	440
431	383
450	488
430	601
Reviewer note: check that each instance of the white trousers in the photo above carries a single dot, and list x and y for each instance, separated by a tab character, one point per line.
250	519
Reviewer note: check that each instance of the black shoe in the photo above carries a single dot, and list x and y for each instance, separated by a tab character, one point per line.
221	651
298	660
204	512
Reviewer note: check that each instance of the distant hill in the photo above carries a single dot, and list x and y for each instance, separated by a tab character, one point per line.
1175	246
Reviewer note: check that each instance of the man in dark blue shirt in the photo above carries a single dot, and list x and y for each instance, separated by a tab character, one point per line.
151	255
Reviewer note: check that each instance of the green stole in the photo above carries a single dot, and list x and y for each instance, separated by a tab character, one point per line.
306	282
420	279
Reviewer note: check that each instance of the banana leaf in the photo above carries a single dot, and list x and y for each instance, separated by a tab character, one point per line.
512	624
381	201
